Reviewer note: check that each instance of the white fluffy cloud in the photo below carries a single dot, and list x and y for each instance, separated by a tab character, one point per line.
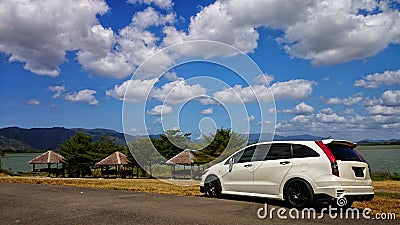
292	89
345	101
41	42
166	4
264	79
84	95
249	119
178	91
135	43
238	94
335	32
160	110
38	33
141	90
34	102
391	98
58	90
330	118
235	21
300	109
323	32
207	111
132	90
385	106
376	80
382	110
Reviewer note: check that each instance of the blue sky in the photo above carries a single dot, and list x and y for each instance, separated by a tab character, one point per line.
332	67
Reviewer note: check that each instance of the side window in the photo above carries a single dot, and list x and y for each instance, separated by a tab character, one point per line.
279	151
247	155
261	152
302	151
235	157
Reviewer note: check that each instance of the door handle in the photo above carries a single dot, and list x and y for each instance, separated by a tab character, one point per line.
284	162
248	165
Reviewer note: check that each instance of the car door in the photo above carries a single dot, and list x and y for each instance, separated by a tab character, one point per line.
271	171
240	177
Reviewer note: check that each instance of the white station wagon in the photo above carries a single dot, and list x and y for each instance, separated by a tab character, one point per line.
300	172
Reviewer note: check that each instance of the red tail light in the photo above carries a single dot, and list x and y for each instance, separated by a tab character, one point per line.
331	157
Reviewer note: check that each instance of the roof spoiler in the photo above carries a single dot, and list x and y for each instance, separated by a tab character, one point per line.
340	142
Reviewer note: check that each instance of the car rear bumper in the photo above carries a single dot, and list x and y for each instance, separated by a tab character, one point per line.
355	193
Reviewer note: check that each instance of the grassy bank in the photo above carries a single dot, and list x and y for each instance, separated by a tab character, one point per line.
139	185
387	193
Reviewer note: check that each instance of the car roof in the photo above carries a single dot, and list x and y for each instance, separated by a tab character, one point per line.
325	141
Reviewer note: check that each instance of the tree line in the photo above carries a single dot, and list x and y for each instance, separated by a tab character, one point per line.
82	152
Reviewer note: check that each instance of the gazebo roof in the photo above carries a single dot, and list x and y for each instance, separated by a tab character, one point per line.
185	157
48	157
117	158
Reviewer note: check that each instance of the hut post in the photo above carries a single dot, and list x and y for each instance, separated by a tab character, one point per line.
191	170
57	171
108	172
48	169
172	171
63	170
184	171
33	170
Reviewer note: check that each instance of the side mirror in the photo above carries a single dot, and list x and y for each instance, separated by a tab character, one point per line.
231	161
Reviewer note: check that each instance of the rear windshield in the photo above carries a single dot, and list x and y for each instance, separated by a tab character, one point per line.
344	153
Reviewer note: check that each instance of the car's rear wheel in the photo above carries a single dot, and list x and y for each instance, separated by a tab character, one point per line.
299	193
212	187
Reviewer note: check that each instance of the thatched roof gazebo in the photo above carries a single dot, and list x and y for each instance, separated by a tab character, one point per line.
117	159
49	158
185	158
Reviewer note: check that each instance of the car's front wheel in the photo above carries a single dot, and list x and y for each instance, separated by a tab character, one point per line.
299	193
212	187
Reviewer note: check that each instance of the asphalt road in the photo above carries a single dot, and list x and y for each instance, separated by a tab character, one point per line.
49	204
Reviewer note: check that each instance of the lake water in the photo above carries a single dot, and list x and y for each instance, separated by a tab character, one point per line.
382	158
19	162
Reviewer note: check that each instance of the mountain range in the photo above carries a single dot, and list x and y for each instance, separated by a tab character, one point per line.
22	139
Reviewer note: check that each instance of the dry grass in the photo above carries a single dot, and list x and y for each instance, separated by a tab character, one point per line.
381	205
139	185
387	186
384	202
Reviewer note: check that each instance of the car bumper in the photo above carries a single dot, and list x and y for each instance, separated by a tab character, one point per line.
355	193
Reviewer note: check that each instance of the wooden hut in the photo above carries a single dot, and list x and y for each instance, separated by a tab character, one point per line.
117	159
186	157
49	158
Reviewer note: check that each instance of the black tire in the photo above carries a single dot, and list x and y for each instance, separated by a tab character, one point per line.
212	187
298	193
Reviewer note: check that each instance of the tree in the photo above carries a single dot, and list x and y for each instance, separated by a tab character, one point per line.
223	143
104	148
171	143
77	152
144	153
